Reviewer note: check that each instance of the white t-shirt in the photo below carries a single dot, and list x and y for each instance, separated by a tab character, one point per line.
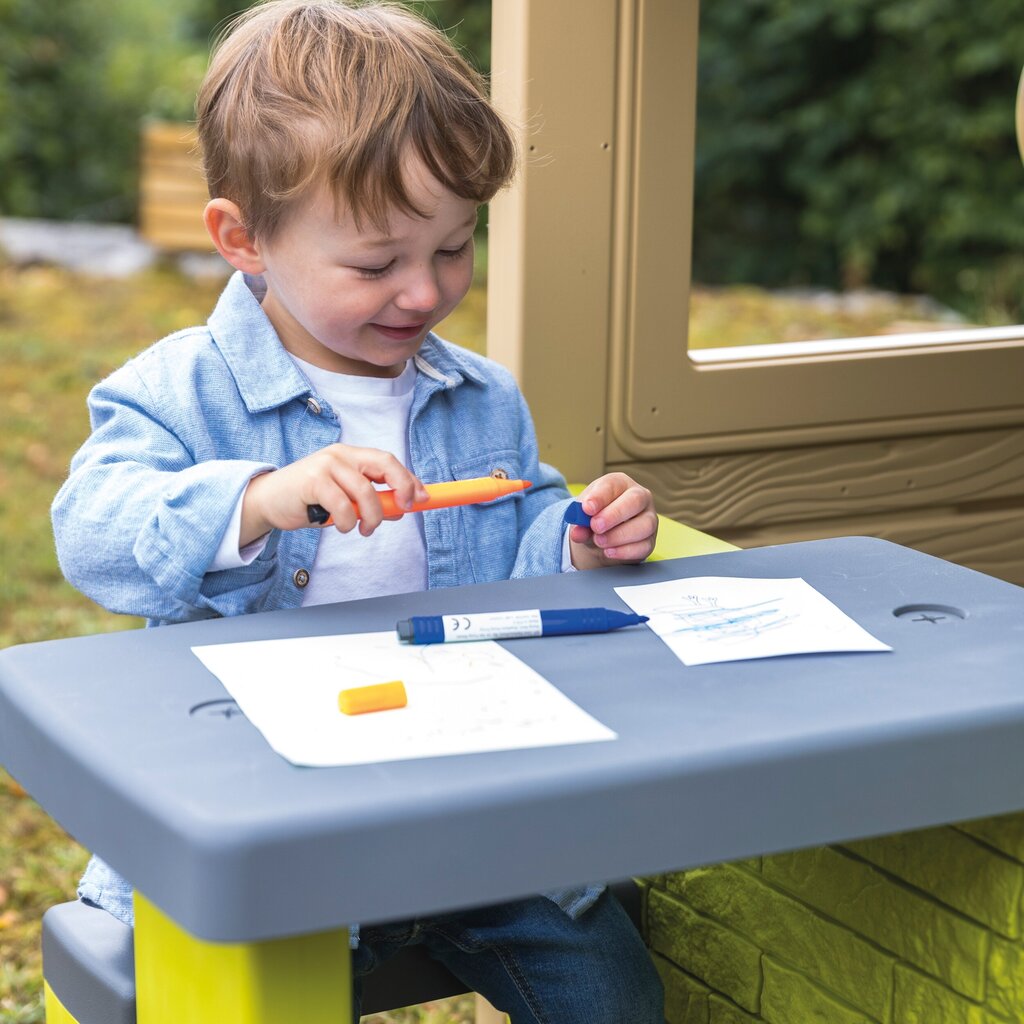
374	413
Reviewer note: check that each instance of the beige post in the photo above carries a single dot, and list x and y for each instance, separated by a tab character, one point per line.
551	254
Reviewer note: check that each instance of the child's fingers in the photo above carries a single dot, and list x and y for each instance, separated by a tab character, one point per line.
626	505
333	496
603	491
638	552
353	471
338	486
633	541
383	468
579	534
407	486
639	529
359	490
623	523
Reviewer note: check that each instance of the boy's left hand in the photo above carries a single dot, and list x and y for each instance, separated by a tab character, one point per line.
623	525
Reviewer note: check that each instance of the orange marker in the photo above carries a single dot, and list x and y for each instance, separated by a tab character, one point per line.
457	492
379	697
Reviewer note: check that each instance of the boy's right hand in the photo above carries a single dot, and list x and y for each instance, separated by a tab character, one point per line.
335	477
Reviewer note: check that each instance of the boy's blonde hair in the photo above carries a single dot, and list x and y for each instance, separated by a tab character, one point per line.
303	93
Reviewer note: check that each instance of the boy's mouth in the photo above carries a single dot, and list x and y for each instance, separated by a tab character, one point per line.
402	333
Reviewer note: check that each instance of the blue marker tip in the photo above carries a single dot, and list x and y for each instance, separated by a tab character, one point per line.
574	514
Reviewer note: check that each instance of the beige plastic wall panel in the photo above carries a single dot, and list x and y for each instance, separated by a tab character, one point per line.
554	74
987	541
661	404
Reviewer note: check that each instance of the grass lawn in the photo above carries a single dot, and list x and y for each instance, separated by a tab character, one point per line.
59	334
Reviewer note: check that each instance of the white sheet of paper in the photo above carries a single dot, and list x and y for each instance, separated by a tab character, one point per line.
463	698
709	619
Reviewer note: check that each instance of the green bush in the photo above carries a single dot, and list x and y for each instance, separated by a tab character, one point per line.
75	79
856	142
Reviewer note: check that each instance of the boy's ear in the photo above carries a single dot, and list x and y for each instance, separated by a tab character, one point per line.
227	230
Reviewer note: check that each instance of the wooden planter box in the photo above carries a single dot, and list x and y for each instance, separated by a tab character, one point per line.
172	189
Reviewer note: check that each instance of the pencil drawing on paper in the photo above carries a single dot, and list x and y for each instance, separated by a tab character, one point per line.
727	624
706	619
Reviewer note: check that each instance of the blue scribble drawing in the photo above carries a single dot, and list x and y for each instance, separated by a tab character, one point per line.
704	618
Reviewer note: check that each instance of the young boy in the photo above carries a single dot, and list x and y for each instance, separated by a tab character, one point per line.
347	150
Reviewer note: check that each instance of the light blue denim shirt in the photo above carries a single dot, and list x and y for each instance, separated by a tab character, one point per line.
178	432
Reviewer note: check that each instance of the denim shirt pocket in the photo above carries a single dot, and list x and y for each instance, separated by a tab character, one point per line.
490	532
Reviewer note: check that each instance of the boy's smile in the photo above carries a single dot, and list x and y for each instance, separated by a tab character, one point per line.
361	301
401	333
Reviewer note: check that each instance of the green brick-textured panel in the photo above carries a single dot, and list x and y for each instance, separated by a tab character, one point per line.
915	927
1005	987
686	999
726	960
834	957
1005	833
919	1000
955	869
789	998
724	1012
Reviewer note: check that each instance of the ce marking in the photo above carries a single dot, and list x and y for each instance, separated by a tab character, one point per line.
459	622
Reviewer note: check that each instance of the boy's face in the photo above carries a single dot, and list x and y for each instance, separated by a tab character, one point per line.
362	301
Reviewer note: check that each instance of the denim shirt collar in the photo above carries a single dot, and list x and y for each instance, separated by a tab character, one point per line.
265	375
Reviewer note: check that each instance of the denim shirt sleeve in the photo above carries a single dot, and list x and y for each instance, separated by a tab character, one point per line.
541	543
540	550
139	520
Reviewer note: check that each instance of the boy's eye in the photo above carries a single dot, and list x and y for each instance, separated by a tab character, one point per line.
448	254
374	271
454	254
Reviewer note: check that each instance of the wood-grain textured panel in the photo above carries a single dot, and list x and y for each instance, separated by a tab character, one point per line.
750	489
957	496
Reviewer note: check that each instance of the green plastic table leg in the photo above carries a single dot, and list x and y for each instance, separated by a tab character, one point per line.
179	979
56	1012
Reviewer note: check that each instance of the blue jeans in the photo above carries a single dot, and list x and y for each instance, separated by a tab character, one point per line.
533	961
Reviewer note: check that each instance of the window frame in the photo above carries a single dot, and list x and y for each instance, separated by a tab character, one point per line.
590	265
666	401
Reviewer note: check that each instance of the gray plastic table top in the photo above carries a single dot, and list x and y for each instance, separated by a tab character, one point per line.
712	763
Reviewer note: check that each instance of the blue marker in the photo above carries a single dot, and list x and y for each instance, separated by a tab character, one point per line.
440	629
575	515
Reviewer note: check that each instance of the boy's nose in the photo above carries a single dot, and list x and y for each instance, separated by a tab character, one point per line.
421	292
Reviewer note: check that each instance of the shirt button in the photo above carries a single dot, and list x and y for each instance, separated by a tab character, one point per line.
499	473
314	406
301	578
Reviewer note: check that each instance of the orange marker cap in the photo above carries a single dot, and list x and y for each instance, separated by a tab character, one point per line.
379	697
